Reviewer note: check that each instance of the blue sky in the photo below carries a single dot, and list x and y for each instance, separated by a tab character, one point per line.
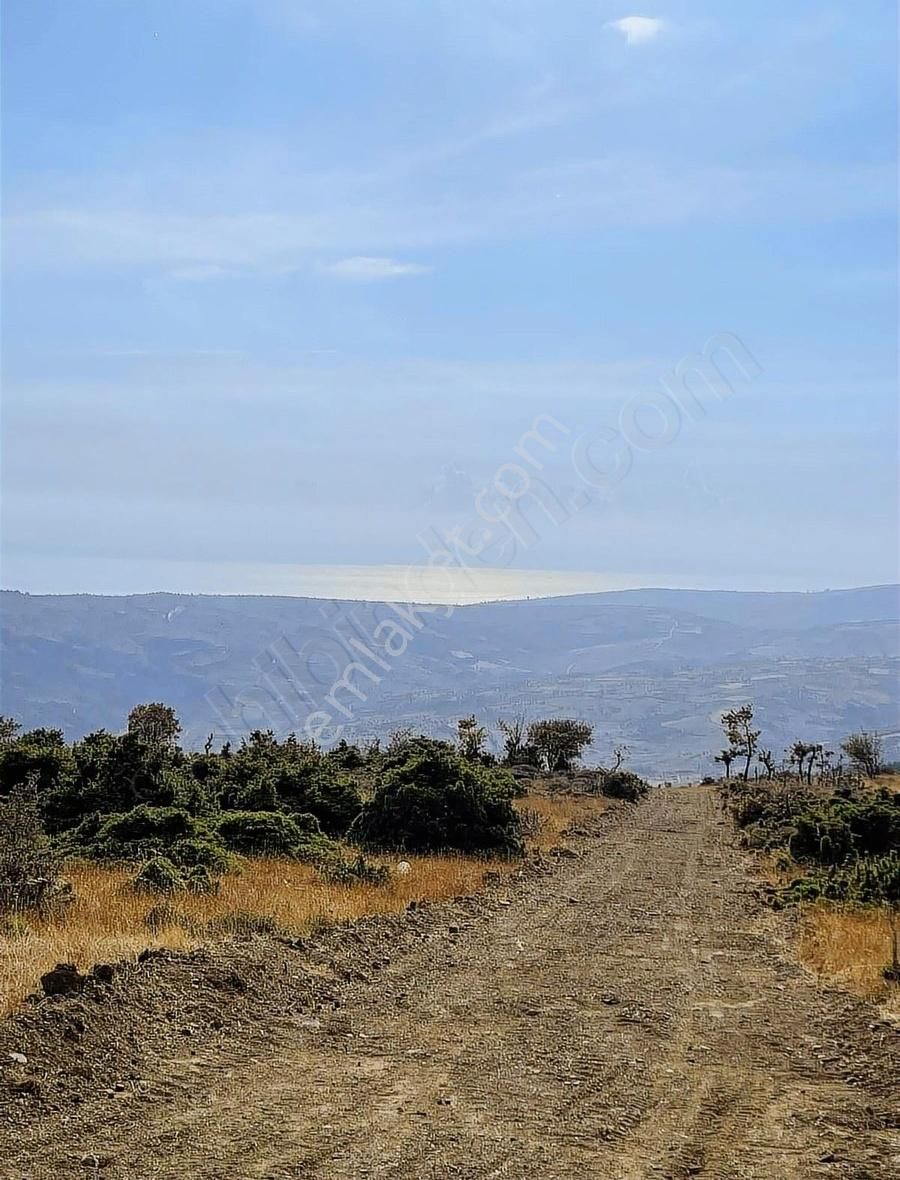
285	283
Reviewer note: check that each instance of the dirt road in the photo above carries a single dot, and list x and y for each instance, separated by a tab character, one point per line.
633	1014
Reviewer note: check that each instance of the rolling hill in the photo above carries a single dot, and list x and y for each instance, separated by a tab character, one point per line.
651	668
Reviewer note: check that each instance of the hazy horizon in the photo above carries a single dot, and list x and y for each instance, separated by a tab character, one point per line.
420	584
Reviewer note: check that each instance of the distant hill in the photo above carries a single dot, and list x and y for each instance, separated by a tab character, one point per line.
648	667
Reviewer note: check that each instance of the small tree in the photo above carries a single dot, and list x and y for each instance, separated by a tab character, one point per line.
28	867
559	741
618	783
726	757
471	738
513	739
9	728
155	723
864	750
620	753
766	759
742	737
799	752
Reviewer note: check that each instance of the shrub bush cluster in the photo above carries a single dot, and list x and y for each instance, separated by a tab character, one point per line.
847	842
139	797
436	800
618	783
161	875
29	867
182	817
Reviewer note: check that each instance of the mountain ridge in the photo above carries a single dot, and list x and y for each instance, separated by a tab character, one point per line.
651	667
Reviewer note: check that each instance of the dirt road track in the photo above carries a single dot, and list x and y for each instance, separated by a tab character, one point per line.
634	1014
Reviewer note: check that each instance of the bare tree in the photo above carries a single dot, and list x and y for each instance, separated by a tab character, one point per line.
513	738
767	759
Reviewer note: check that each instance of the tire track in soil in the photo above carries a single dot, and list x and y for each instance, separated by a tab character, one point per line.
633	1015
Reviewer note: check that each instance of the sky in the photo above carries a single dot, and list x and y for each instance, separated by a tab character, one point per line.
507	296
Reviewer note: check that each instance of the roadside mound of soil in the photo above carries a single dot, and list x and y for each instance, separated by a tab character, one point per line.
100	1036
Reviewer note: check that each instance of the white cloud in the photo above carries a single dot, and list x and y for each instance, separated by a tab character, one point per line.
636	29
363	269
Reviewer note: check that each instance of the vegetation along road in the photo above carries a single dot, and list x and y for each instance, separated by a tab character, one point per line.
633	1013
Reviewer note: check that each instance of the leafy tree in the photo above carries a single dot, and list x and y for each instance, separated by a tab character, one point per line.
46	766
742	737
798	753
43	737
9	727
559	741
865	752
726	757
155	723
112	773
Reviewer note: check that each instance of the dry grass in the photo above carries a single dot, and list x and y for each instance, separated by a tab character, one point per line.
107	920
557	813
850	947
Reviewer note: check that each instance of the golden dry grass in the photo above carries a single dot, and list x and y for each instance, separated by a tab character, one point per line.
107	920
557	813
850	947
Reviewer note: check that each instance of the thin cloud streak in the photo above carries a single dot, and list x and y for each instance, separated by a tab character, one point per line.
580	192
364	269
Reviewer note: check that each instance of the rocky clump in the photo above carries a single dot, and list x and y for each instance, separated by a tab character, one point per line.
64	980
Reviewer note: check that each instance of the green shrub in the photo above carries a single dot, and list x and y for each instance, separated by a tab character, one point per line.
198	879
437	801
202	852
158	875
271	833
143	832
621	784
338	870
863	881
255	793
346	755
840	828
266	774
332	798
144	824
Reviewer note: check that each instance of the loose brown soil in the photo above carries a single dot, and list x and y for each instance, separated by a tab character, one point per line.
632	1012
